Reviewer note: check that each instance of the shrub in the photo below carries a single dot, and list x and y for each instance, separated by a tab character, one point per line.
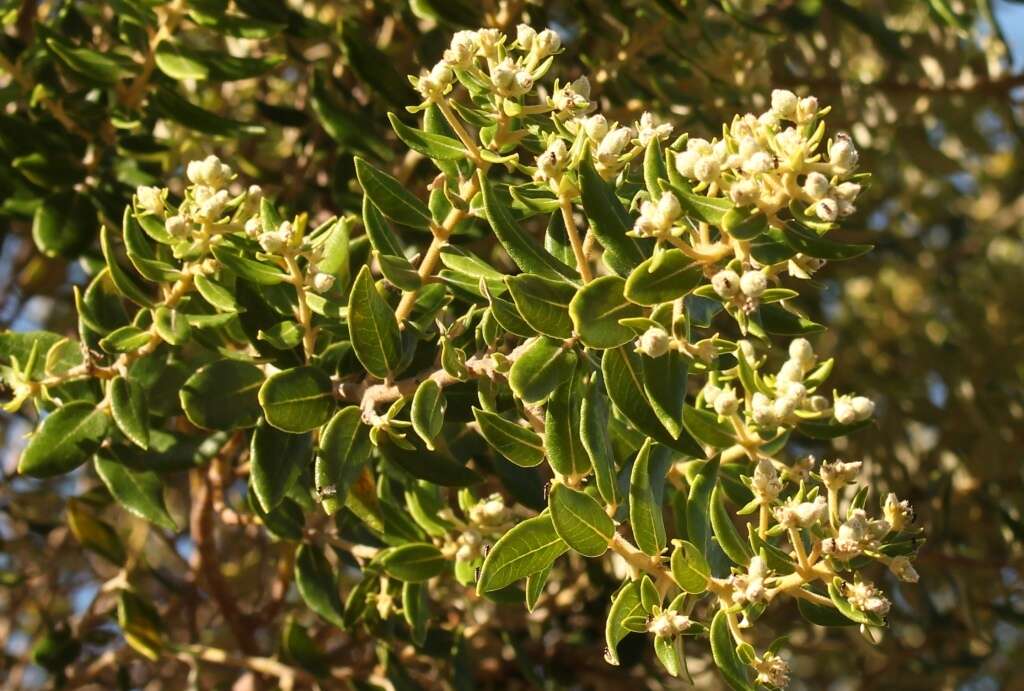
616	379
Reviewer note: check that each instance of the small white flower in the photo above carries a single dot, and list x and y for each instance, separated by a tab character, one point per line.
827	209
817	403
903	570
762	410
706	169
789	373
489	512
211	209
433	84
753	283
470	546
214	173
547	43
771	670
686	161
647	131
749	587
525	35
726	283
802	514
760	162
668	624
462	49
806	109
784	406
838	474
842	154
552	161
867	598
596	127
272	243
176	226
784	103
846	191
488	41
151	199
503	74
611	146
711	393
744	192
726	402
816	185
572	97
253	226
801	352
843	411
765	483
863	407
653	343
897	513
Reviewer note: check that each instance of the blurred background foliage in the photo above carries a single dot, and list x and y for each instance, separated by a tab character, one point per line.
101	96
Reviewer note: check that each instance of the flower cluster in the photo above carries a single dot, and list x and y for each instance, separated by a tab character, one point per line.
771	160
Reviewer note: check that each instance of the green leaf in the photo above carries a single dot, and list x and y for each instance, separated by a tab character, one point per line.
65	440
391	198
813	245
215	294
781	322
698	505
124	283
94	534
829	429
623	378
580	520
124	340
529	547
596	310
427	413
669	276
223	395
646	496
251	270
64	225
373	328
518	444
415	611
297	400
178	62
541	369
723	649
689	567
543	303
608	220
140	492
670	653
414	562
562	434
524	251
87	63
317	583
400	272
166	102
344	450
436	146
706	428
129	410
625	605
734	546
595	420
654	168
426	465
744	224
276	460
822	615
171	325
664	381
707	209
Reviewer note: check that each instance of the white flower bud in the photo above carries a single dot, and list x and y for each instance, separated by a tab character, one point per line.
863	407
762	410
547	43
434	83
765	482
647	131
668	624
726	283
211	209
771	670
596	127
846	191
668	210
865	597
842	154
214	173
806	109
503	75
253	226
843	411
150	199
801	352
194	172
686	161
551	162
653	343
789	373
611	146
903	570
816	185
744	192
784	407
462	49
753	283
784	103
838	474
272	243
796	391
488	40
322	282
897	513
176	226
523	83
760	162
711	393
525	34
572	97
827	209
706	169
817	403
726	402
747	348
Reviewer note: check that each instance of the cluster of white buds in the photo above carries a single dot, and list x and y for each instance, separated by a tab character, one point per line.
771	160
837	474
801	514
744	291
610	150
209	172
572	99
898	513
206	199
864	596
319	281
489	512
857	534
657	218
537	45
276	241
647	130
551	162
849	409
668	623
748	588
771	670
802	266
469	546
151	199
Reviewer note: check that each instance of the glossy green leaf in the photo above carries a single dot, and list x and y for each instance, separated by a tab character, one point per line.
562	429
297	400
595	435
689	567
672	275
543	303
529	547
317	584
435	467
344	450
251	270
129	410
140	492
373	328
541	368
723	649
124	283
698	505
427	412
66	439
518	444
580	520
276	459
703	208
415	610
436	146
734	546
646	496
223	395
596	310
664	380
813	245
414	562
706	428
608	220
625	605
391	198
